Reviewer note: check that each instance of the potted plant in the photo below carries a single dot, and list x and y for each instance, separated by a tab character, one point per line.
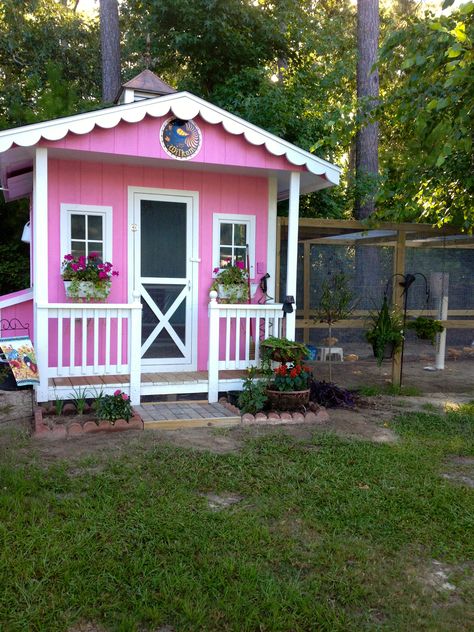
88	277
289	387
426	328
232	283
283	350
386	333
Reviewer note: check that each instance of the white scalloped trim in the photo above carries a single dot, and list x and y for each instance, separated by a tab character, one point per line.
183	105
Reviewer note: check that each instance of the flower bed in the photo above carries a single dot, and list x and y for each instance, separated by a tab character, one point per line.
107	413
51	426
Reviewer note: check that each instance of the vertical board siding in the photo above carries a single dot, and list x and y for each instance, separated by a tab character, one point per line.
77	182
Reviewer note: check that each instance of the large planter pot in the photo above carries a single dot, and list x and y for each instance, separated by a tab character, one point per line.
287	400
388	351
87	290
238	293
290	354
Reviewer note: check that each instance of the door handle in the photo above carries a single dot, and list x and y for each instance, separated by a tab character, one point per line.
195	259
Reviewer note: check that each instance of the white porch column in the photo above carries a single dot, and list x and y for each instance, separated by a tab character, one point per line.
134	349
292	251
271	236
40	267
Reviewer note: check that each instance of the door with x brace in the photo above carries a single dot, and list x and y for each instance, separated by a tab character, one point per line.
165	227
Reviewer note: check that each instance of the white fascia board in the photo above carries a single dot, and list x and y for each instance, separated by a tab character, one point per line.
183	105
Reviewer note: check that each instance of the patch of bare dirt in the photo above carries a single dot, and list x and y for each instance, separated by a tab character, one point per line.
460	470
218	502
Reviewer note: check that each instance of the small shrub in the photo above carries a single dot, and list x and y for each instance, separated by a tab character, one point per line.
253	397
330	395
113	407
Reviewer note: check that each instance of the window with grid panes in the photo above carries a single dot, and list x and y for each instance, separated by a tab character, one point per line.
232	235
86	229
87	234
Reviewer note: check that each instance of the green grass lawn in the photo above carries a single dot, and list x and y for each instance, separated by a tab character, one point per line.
330	535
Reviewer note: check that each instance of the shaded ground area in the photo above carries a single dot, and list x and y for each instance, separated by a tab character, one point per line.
457	377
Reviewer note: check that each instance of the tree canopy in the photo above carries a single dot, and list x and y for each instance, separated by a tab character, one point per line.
288	67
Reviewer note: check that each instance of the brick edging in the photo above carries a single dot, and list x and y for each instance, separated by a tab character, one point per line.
62	431
274	418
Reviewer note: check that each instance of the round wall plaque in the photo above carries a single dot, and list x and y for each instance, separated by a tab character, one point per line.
180	139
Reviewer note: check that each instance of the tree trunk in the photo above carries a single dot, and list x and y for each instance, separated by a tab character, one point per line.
367	157
367	162
110	49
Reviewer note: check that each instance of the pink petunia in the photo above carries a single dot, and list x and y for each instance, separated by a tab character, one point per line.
215	271
124	397
75	267
68	258
240	264
118	392
102	275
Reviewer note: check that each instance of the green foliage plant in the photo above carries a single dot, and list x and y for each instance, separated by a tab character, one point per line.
79	397
97	395
282	350
386	330
253	397
113	407
426	328
58	406
234	280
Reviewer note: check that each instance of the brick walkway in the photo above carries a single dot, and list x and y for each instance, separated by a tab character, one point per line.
189	413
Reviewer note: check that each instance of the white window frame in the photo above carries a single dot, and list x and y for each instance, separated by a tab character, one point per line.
232	218
85	209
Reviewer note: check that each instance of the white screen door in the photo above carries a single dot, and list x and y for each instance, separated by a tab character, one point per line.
165	276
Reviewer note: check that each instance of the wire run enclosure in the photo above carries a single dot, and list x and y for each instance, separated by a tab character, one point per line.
373	257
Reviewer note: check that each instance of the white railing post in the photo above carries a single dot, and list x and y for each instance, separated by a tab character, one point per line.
213	360
41	349
134	351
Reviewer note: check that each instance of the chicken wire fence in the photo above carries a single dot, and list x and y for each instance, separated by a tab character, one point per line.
369	273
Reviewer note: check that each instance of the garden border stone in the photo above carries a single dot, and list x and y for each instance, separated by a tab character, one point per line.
76	429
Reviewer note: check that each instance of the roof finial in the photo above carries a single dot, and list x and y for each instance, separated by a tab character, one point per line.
148	60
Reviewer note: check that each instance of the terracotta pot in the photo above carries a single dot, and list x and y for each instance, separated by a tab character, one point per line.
287	400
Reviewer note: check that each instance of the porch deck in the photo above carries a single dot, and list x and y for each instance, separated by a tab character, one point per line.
151	383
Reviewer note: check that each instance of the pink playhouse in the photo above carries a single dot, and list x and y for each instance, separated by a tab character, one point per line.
162	185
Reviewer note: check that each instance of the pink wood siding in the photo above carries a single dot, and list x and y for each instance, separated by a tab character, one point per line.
107	184
143	140
22	310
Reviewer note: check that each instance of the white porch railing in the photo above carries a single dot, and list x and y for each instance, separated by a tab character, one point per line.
86	339
233	331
